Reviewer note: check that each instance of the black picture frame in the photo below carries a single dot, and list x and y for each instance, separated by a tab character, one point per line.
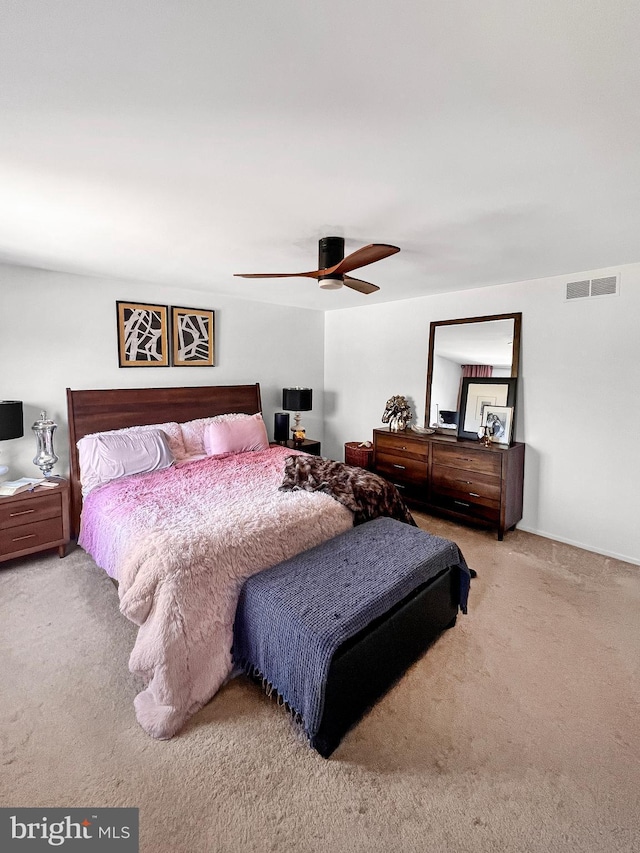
478	392
193	337
143	334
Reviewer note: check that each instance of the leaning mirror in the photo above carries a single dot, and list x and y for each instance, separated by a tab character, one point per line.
473	347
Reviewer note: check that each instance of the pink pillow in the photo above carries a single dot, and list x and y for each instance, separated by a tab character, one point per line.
193	431
108	456
236	436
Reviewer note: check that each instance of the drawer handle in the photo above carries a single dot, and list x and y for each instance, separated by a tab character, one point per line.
461	503
23	512
399	486
401	467
466	482
474	494
20	538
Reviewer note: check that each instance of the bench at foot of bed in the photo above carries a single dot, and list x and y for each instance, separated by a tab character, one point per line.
331	629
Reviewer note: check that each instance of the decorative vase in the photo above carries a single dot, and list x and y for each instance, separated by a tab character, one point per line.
45	457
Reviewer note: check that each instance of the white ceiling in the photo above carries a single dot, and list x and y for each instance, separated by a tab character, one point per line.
184	141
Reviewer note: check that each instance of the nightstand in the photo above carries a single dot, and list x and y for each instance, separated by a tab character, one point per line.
307	446
35	521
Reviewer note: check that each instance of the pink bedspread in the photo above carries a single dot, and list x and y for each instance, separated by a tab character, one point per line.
181	542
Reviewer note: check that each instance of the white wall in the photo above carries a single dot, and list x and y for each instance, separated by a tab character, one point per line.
59	330
578	403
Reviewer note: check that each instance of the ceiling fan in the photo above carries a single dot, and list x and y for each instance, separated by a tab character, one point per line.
333	266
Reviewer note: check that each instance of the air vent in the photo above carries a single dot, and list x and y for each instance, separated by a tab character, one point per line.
607	286
604	286
578	289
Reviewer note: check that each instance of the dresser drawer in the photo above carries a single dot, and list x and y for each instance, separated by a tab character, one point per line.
476	508
401	445
408	491
25	511
467	485
401	468
481	461
23	536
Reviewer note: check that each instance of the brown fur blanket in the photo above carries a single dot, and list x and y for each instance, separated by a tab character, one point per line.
367	495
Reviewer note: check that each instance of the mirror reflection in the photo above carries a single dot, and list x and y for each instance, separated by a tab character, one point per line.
474	347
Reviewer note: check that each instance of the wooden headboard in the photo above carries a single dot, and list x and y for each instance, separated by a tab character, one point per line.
100	410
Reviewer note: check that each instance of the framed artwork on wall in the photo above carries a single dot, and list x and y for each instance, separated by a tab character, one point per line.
143	334
499	423
477	396
193	337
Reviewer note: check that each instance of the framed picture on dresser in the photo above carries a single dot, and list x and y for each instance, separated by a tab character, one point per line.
499	423
477	396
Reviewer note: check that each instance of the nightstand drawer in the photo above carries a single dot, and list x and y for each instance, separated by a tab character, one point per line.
483	461
14	539
26	511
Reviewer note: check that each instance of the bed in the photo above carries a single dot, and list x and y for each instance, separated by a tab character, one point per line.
181	553
93	411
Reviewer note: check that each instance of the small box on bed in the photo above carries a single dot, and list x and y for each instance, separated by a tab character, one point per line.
332	628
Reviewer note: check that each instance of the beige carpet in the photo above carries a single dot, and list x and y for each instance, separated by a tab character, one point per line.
517	731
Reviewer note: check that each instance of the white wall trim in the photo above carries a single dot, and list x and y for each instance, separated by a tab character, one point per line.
624	558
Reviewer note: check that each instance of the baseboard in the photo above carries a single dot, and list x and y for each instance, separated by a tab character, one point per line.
625	558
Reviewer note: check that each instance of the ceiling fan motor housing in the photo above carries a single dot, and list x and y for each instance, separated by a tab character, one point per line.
330	253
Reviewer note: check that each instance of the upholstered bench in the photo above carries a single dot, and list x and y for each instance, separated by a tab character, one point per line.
332	628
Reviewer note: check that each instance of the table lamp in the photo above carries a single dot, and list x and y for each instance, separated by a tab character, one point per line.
11	424
297	400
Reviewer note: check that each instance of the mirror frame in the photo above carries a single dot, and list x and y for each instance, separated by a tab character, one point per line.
515	350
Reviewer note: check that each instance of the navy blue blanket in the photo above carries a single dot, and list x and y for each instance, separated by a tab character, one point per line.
293	617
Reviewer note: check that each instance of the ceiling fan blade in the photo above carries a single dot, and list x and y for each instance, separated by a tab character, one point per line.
360	258
366	255
313	274
359	285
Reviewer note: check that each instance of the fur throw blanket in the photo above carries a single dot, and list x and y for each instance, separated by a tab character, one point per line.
367	495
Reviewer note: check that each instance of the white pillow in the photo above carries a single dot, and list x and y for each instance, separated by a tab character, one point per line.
108	456
171	429
235	436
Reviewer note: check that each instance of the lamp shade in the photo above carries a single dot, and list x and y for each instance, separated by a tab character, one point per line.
11	421
297	399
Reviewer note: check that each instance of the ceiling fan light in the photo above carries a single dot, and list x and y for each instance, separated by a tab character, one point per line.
330	283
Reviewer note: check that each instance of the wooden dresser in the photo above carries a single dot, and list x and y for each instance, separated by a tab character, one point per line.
458	478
